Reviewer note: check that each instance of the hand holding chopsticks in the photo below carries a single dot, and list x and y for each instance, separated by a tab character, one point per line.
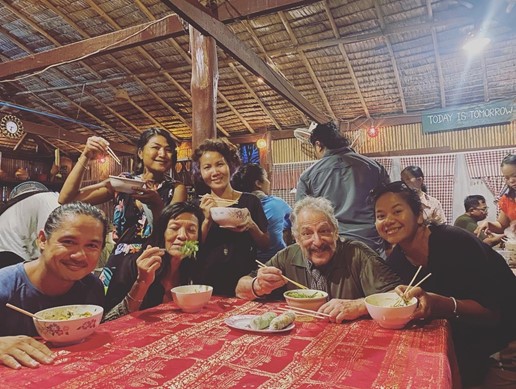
403	297
113	155
285	278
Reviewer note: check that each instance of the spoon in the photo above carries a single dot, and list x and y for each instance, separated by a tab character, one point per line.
22	311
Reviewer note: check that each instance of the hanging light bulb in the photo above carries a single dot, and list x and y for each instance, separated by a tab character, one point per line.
261	143
372	132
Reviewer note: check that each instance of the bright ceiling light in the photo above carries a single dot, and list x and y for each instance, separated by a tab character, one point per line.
476	44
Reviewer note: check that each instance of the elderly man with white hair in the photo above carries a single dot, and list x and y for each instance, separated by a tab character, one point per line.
348	270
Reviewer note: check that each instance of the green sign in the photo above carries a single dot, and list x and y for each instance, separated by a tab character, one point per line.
468	116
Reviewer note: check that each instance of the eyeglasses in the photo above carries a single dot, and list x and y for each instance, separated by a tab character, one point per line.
482	209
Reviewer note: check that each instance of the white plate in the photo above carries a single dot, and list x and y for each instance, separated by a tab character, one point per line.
241	322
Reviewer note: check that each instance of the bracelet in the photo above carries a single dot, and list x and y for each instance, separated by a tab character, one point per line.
256	295
132	298
455	313
86	167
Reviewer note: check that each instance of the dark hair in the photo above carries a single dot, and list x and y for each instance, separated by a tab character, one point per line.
59	215
510	159
246	176
329	136
399	187
416	172
221	145
473	201
172	211
144	139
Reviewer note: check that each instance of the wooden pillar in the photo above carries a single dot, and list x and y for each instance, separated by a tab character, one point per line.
205	76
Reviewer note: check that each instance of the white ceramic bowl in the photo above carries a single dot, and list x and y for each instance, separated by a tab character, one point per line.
305	298
191	298
68	324
380	307
125	185
229	217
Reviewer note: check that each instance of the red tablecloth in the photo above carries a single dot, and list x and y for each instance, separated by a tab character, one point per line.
163	347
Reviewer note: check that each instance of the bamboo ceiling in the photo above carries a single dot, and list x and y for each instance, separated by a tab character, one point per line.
348	59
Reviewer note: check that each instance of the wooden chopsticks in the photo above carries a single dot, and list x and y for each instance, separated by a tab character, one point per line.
403	297
305	312
113	155
301	286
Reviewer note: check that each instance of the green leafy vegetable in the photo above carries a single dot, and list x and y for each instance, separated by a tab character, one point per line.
304	295
190	248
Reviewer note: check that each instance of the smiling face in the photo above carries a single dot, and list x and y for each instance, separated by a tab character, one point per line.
316	236
509	174
396	222
156	155
72	250
214	171
180	229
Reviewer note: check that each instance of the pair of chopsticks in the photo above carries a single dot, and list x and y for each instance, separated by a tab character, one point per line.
305	312
301	286
403	298
113	155
21	310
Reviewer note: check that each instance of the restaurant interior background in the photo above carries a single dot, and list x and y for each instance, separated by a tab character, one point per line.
380	68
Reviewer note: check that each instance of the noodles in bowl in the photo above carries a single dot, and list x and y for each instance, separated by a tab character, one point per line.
389	310
67	324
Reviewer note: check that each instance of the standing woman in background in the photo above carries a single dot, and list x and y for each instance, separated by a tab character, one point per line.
134	214
226	254
507	203
414	178
253	178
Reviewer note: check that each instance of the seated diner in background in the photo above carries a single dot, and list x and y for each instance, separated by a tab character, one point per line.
21	219
252	178
476	210
414	178
145	280
348	270
226	253
70	244
507	203
471	283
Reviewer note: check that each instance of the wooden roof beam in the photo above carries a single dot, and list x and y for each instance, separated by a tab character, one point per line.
57	133
247	57
269	60
355	38
255	96
392	57
344	53
439	68
168	27
307	65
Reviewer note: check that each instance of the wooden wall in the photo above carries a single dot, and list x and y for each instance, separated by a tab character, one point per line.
408	139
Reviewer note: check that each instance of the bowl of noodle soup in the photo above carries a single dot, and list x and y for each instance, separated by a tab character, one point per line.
67	324
389	310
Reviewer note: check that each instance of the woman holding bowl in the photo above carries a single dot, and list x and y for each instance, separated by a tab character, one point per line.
226	253
471	284
134	213
146	279
507	203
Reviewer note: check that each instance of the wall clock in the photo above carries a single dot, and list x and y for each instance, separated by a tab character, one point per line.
11	126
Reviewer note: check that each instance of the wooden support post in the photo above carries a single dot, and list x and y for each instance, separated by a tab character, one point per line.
205	75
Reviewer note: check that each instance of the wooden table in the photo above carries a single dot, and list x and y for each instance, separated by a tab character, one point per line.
163	347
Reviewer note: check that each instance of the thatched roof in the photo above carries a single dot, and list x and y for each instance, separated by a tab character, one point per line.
348	59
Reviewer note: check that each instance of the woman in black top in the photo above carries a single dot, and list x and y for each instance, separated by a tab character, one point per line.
226	253
146	278
471	283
